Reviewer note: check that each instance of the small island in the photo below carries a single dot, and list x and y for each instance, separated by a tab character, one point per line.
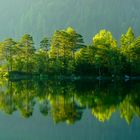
66	55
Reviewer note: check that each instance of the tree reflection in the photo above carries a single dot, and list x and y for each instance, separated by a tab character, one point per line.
66	101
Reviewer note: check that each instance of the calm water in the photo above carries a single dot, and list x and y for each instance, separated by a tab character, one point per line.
81	110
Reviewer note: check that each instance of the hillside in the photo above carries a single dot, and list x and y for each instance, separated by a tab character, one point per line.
43	17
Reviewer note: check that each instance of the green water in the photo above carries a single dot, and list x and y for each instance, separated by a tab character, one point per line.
78	110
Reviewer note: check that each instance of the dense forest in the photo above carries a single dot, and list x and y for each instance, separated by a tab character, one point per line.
67	54
41	17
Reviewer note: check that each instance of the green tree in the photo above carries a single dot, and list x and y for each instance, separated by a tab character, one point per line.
126	42
28	48
44	44
103	42
63	45
134	57
41	61
9	51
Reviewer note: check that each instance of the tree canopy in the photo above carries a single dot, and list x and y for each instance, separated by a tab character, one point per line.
67	54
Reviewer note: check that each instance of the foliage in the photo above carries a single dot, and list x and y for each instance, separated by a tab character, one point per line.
66	54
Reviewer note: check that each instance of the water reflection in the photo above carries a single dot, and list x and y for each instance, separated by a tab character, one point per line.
66	101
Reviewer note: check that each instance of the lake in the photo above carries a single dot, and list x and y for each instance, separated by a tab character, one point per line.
69	110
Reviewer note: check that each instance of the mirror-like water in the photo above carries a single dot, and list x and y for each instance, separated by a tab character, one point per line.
81	110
